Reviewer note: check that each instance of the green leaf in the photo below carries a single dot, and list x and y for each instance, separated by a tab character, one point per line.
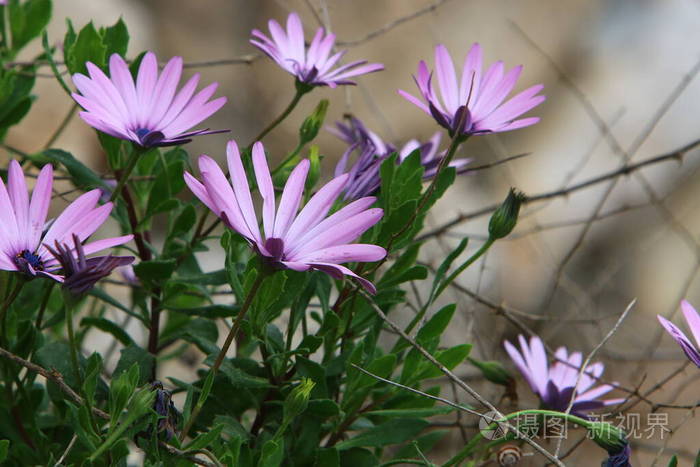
156	270
109	327
328	457
382	367
205	439
116	38
310	369
28	20
88	47
56	356
394	431
436	325
450	358
272	453
82	177
358	457
135	355
4	446
673	462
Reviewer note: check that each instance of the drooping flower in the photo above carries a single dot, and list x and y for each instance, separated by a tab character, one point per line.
303	241
693	320
149	112
619	459
477	100
80	274
372	151
555	385
312	66
22	223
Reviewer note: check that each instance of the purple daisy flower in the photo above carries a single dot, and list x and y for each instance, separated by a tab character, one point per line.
555	385
312	66
372	151
22	224
480	97
149	112
693	320
80	274
303	241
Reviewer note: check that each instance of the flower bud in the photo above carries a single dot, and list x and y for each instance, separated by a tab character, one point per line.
309	129
493	371
298	399
505	217
314	168
608	437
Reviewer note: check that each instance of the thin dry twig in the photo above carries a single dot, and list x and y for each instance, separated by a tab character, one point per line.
464	386
588	359
624	170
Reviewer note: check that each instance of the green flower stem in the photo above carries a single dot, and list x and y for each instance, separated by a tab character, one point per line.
471	445
291	156
209	382
52	63
12	293
70	303
123	177
285	113
484	248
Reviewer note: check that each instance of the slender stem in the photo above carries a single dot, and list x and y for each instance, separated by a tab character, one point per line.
291	156
484	248
44	304
6	306
222	353
281	117
73	345
52	63
124	175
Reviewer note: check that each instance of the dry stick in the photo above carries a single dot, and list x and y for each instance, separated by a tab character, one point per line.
614	144
588	360
57	378
65	453
451	375
54	376
673	431
392	24
627	169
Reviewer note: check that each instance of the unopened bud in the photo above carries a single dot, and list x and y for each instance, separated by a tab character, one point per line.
298	399
504	219
493	371
608	437
311	126
314	168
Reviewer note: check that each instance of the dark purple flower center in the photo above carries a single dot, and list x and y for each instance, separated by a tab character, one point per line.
25	258
275	246
148	137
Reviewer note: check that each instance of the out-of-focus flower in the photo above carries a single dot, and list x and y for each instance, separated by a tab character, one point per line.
693	320
80	274
372	151
619	459
22	238
476	101
129	276
308	240
149	112
555	385
313	66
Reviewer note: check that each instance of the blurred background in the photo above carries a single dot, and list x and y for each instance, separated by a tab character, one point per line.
620	82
